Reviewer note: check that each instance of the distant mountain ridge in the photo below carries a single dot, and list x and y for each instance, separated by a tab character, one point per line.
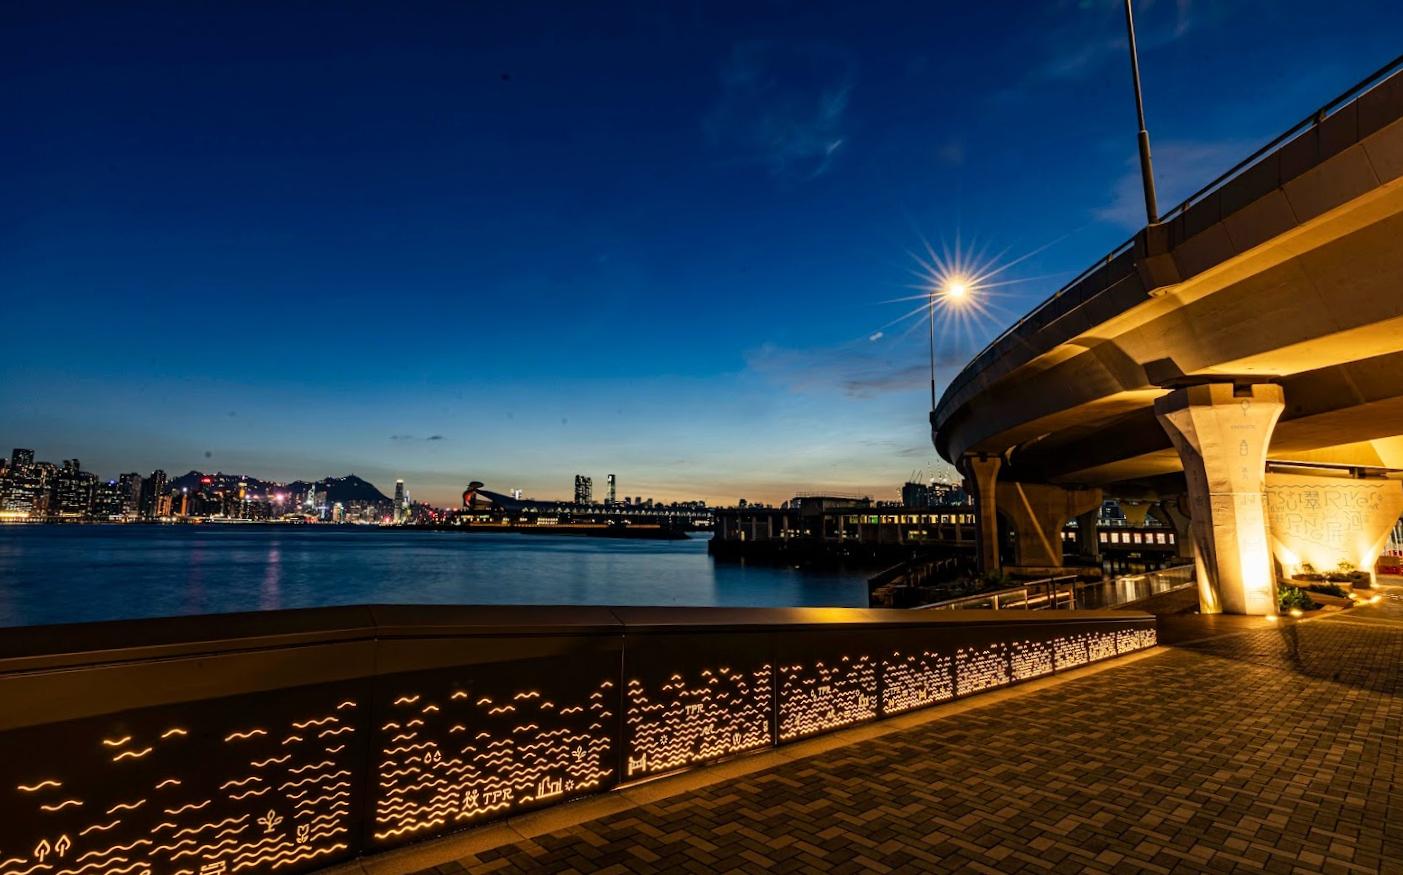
344	490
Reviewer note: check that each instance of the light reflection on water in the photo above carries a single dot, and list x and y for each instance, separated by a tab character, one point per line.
56	574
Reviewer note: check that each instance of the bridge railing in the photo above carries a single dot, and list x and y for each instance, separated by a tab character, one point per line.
1037	595
1069	592
1127	588
1305	125
290	740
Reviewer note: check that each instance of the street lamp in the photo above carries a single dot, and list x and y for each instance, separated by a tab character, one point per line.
955	292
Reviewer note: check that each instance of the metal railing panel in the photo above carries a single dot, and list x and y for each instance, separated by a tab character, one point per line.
289	751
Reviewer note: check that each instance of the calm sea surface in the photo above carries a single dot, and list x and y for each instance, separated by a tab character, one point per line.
60	574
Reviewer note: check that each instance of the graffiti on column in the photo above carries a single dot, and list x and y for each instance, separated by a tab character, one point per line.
1328	521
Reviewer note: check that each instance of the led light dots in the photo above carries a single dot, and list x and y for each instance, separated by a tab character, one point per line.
717	713
449	760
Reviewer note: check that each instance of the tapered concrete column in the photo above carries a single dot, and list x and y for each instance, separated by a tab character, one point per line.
1324	520
1089	534
1222	433
1171	513
1135	512
1038	512
982	476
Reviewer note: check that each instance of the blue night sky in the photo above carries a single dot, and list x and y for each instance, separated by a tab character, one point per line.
516	241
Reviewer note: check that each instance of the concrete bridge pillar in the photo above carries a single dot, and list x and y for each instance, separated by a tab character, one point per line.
1325	520
1135	512
1088	533
1173	512
982	476
1222	432
1038	512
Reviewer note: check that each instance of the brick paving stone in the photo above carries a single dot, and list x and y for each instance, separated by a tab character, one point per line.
1275	750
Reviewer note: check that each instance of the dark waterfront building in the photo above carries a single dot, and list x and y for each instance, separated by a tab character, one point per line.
915	494
129	488
152	490
811	527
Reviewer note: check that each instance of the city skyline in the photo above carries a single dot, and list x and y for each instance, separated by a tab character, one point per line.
399	496
512	246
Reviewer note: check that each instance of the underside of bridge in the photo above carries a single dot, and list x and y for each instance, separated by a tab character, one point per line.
1241	363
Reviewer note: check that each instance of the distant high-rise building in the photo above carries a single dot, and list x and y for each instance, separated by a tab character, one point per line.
401	505
915	494
612	496
107	500
584	489
73	490
152	490
129	489
24	488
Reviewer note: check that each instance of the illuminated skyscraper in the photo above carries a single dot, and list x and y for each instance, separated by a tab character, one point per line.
401	504
610	500
584	489
23	489
107	500
73	490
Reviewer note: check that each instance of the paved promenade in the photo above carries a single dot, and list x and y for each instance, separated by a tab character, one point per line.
1274	750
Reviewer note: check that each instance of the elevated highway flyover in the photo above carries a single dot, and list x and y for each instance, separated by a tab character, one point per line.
1238	366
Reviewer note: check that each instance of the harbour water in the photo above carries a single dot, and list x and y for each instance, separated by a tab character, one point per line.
61	574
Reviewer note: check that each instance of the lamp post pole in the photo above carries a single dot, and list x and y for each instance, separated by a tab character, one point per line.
930	305
1147	176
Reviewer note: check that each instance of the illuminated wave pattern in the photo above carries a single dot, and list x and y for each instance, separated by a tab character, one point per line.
824	696
449	758
300	779
715	714
150	813
915	680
